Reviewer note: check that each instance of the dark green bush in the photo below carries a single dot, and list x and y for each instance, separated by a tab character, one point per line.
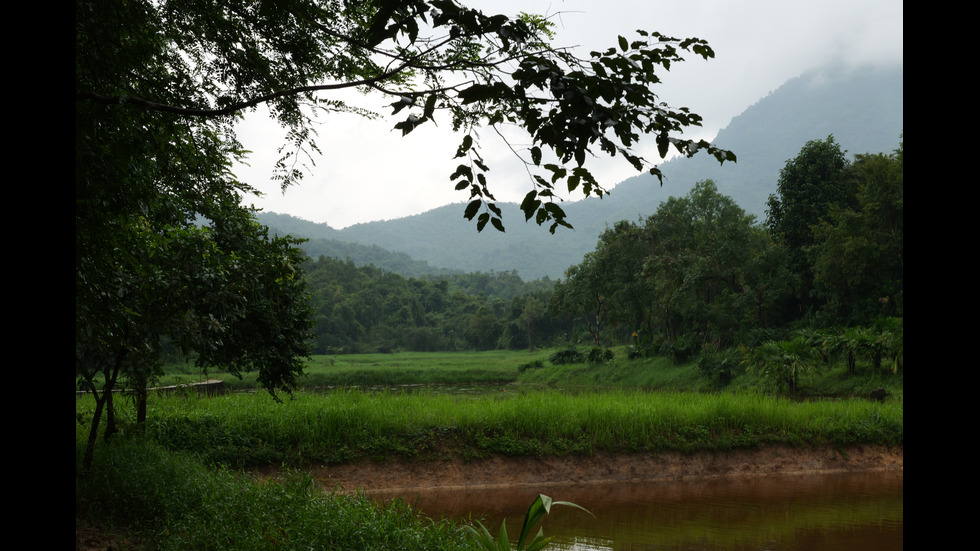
720	366
598	355
567	355
536	364
682	349
634	352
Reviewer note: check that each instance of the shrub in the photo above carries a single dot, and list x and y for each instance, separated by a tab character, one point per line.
720	366
567	355
638	351
536	364
783	362
598	355
681	349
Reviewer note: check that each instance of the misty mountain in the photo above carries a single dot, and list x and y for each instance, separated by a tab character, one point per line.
322	240
862	109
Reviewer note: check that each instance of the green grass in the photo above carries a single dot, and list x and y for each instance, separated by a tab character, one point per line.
403	368
646	373
658	373
417	368
342	426
495	367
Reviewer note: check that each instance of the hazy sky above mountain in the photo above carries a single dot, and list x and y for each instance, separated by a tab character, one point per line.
367	171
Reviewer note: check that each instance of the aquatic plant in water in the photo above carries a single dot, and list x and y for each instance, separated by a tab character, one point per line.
540	507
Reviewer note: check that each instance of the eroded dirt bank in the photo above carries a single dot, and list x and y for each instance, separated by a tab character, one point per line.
509	471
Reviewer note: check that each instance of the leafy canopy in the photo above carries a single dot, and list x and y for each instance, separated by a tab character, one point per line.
201	60
699	267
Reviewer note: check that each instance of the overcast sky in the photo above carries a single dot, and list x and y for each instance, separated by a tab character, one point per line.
367	171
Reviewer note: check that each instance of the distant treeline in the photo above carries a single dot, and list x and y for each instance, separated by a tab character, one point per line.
699	273
366	309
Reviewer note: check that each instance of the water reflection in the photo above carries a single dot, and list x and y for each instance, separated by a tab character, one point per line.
825	512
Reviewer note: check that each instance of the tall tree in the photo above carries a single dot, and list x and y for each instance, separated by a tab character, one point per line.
808	186
706	248
531	311
583	291
858	255
621	252
698	267
164	252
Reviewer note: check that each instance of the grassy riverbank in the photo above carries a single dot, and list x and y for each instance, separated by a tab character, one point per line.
178	486
246	430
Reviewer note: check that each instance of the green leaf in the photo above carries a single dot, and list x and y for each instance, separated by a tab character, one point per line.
663	144
430	106
475	93
530	204
471	209
541	216
503	542
536	155
483	537
623	44
462	171
464	146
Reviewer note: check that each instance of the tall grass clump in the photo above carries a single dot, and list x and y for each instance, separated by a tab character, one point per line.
346	426
165	500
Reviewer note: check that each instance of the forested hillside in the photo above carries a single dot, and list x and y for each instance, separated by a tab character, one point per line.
698	277
862	109
367	309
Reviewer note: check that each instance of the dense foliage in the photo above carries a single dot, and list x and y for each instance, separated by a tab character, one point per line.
697	277
365	309
698	266
701	275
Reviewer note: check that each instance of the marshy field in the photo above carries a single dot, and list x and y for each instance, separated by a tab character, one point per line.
246	471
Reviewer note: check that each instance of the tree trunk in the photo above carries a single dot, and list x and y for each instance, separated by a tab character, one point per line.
141	394
93	433
110	414
103	404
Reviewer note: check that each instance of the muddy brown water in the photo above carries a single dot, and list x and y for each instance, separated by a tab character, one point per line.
842	511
